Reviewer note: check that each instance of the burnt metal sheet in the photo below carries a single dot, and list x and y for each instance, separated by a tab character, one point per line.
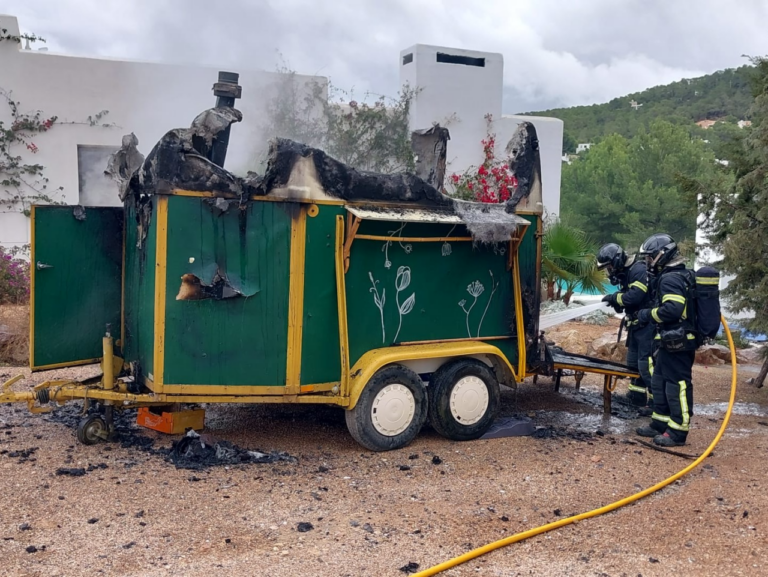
430	148
429	215
585	363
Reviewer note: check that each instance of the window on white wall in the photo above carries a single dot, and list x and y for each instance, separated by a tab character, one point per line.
95	188
456	59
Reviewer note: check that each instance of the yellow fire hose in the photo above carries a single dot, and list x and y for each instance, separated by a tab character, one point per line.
607	508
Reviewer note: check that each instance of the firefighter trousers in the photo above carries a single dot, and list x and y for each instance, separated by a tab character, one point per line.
673	393
639	350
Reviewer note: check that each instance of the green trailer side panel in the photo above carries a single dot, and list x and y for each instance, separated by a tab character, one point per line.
241	340
80	292
320	354
509	348
420	291
140	290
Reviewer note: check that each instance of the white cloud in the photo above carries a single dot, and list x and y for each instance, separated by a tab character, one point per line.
556	53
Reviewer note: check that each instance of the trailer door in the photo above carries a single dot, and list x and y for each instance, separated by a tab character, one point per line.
75	283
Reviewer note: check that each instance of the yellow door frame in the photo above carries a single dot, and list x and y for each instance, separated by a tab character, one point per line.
296	301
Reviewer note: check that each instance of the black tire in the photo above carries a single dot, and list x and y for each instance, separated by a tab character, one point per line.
441	388
363	421
90	430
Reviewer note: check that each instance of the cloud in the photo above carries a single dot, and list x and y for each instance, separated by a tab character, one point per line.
556	53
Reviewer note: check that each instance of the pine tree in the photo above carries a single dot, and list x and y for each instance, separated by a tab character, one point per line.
735	203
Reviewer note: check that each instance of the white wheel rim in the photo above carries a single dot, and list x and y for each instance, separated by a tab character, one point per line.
393	409
469	400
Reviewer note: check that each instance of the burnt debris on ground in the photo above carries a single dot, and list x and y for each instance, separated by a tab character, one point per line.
196	452
193	451
553	432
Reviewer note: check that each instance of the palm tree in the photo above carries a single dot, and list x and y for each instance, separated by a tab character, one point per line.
568	258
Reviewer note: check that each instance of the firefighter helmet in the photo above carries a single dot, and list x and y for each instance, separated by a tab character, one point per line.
611	255
659	250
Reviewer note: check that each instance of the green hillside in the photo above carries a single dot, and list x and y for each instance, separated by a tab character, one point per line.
723	95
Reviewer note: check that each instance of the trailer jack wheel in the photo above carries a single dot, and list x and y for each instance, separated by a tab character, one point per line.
92	429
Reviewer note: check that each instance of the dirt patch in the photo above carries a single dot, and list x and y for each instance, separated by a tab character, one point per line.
132	513
14	334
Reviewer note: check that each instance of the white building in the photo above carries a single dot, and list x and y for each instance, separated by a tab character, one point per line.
584	146
458	88
149	99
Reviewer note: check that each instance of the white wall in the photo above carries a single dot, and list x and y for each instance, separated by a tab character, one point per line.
459	96
455	95
145	98
149	99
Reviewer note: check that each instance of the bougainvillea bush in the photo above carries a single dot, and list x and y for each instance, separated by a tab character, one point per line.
492	181
14	279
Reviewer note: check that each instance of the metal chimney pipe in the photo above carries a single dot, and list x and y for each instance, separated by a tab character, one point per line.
226	91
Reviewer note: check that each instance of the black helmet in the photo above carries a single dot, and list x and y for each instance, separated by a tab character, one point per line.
612	255
658	249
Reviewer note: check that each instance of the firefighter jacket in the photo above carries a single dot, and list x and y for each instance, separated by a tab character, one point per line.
670	309
635	294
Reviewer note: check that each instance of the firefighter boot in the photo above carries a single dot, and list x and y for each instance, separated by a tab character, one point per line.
652	430
666	440
647	410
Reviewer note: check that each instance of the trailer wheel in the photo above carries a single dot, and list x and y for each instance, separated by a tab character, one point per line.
390	411
463	399
91	430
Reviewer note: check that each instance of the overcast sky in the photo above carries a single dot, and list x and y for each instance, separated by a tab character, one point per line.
556	52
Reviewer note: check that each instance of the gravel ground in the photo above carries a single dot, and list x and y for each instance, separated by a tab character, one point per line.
133	513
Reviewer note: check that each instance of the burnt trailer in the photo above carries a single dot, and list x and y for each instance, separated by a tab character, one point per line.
312	283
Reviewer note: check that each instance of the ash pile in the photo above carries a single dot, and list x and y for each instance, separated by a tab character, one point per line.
196	452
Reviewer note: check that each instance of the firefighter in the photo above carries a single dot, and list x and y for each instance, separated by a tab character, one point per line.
675	342
630	275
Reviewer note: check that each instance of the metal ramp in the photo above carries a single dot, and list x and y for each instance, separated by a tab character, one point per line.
582	364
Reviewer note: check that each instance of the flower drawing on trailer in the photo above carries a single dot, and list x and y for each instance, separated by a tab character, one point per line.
402	281
494	286
475	289
447	249
407	248
379	301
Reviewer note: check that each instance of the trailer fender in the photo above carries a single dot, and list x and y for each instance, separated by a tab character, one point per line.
374	360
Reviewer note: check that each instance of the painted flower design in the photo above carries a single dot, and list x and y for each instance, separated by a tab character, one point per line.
402	281
475	289
403	278
379	301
